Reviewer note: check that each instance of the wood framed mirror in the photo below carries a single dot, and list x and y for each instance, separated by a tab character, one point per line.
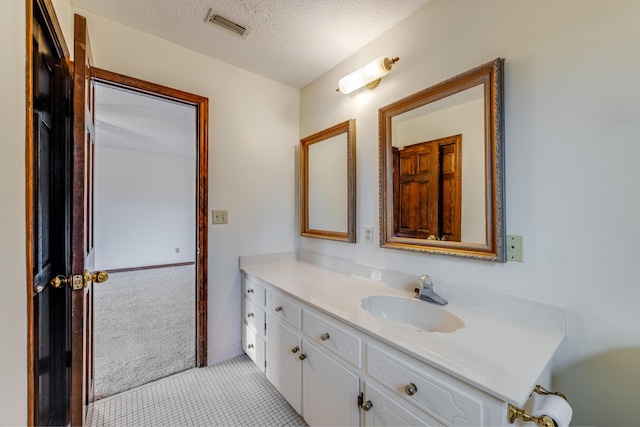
441	153
328	183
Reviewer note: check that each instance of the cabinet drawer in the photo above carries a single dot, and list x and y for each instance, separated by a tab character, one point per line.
450	401
253	291
283	308
388	411
253	316
333	337
253	345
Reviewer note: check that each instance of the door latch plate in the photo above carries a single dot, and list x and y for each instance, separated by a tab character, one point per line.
77	282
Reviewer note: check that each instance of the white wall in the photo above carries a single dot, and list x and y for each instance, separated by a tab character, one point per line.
253	129
145	208
13	298
572	102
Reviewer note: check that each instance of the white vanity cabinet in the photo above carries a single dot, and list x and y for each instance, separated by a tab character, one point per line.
254	322
317	386
334	364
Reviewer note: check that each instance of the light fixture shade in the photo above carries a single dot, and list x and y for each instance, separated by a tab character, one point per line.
374	70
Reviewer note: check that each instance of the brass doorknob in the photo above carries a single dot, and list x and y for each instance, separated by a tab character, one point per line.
58	281
98	277
366	406
80	281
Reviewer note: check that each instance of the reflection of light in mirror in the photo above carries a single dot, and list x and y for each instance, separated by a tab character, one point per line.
328	188
461	113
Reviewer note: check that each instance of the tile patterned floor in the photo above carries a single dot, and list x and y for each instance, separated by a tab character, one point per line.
229	393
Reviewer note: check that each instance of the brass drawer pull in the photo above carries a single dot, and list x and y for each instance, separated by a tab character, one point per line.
295	349
410	389
279	308
324	336
302	356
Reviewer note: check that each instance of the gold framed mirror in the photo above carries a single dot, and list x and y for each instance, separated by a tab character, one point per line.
328	183
441	153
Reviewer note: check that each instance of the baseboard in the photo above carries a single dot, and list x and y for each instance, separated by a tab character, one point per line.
224	353
149	267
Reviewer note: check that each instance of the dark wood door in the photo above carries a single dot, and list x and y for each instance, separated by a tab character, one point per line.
48	217
82	253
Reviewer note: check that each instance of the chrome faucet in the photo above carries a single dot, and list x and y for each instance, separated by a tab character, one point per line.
426	292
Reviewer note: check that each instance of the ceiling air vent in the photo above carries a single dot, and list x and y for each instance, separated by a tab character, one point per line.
223	22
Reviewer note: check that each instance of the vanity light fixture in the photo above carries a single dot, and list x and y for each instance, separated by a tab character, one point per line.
369	75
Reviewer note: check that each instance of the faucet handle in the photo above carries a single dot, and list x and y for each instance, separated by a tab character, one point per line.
425	281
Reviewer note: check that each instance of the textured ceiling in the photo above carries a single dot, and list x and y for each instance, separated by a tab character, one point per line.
290	41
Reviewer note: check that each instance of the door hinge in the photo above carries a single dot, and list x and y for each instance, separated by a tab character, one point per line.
360	400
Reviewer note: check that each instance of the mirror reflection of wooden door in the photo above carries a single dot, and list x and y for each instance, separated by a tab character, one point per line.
428	197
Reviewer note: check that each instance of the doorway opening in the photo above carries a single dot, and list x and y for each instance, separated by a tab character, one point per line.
145	235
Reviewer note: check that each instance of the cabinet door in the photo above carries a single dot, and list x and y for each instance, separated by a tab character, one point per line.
329	390
284	368
253	345
385	411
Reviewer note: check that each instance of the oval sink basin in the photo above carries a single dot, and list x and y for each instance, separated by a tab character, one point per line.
417	314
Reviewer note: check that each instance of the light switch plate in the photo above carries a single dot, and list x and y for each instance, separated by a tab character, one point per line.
219	217
514	248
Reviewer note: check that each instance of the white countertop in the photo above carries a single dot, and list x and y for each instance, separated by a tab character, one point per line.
501	357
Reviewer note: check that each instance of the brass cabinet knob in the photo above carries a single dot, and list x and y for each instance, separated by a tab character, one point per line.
250	315
295	349
367	405
302	356
279	308
410	389
324	336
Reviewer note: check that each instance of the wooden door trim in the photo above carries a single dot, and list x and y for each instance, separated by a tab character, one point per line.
51	26
202	107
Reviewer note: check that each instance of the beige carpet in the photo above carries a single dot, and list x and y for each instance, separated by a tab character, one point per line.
144	327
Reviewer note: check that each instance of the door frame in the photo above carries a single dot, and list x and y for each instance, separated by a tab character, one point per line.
201	105
54	31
